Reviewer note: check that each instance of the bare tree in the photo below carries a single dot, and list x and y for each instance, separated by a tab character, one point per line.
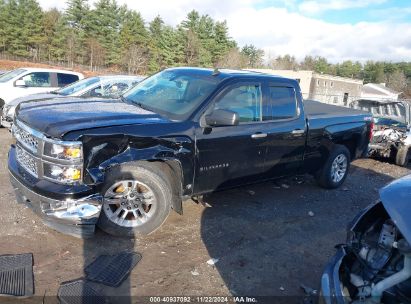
135	59
192	48
286	62
397	81
233	59
96	52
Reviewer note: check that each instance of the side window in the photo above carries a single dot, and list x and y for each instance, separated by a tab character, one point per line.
37	80
96	92
244	100
66	79
115	89
282	104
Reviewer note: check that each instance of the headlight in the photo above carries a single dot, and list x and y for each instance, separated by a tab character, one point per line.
61	173
64	150
9	111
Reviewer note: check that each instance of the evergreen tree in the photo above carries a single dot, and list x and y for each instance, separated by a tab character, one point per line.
254	55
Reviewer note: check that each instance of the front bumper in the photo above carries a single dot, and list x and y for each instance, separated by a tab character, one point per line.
74	215
331	292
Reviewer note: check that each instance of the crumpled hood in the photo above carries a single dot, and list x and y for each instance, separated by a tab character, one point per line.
56	117
33	97
396	198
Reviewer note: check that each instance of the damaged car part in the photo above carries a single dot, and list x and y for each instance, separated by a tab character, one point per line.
375	264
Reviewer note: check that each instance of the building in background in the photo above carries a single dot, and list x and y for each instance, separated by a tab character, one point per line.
379	92
322	87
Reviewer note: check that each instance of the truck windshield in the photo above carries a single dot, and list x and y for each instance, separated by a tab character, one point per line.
10	75
173	93
77	86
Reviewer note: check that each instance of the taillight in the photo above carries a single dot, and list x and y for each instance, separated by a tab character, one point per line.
371	130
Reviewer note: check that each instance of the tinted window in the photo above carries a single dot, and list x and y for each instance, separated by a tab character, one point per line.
244	100
37	79
281	104
66	79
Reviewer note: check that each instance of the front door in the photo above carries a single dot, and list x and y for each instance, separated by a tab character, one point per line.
228	155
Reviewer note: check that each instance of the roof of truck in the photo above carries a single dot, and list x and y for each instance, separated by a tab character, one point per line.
229	73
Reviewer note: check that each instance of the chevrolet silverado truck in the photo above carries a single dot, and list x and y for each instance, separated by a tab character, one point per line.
123	164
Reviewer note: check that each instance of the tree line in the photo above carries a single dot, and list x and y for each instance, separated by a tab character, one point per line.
107	34
396	76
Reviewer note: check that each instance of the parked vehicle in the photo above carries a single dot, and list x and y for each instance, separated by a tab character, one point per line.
101	86
26	81
2	72
374	266
392	135
123	164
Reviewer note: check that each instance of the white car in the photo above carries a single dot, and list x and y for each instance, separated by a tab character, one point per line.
100	86
26	81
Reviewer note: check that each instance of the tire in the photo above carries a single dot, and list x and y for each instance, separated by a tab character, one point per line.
403	156
146	214
325	177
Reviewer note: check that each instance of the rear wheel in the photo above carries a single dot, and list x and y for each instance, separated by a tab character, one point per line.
403	156
335	170
137	200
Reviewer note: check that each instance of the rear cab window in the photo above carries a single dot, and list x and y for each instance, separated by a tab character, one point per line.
66	79
280	104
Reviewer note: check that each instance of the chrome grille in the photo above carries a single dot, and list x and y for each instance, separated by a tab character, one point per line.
27	161
26	138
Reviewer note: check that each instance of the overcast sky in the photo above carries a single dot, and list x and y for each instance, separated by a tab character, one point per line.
336	29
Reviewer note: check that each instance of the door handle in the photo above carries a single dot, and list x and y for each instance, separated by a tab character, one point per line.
259	135
297	132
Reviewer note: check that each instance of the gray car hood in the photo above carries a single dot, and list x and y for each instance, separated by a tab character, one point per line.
33	97
396	198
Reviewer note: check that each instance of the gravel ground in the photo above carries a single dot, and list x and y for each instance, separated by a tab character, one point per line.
268	238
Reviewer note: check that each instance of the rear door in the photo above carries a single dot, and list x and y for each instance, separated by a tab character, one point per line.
230	155
285	126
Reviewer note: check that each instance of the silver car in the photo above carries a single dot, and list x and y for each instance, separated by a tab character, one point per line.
101	86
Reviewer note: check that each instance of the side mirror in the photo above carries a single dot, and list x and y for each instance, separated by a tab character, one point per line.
20	83
222	118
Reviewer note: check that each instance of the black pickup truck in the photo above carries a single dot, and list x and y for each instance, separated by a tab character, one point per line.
124	164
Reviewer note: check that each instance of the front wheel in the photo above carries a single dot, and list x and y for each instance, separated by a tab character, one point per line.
137	200
335	170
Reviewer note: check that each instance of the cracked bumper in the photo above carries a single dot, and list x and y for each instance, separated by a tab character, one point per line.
76	217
